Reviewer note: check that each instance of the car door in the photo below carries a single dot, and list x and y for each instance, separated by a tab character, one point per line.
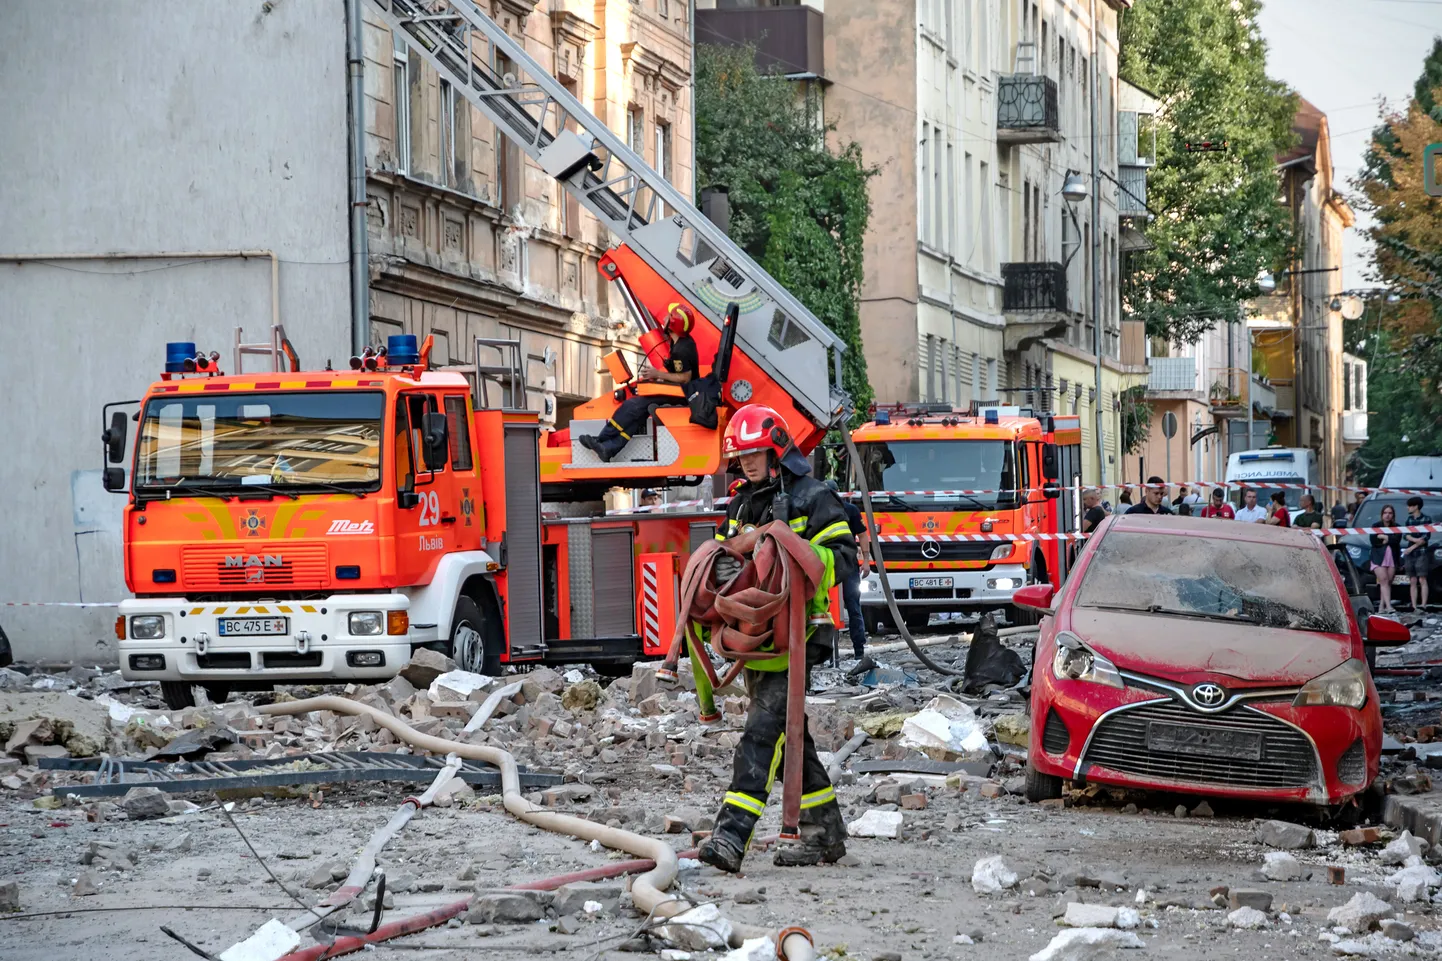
426	531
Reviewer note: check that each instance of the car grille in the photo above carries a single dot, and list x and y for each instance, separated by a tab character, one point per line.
237	567
1055	737
1120	743
950	551
1352	765
223	662
933	594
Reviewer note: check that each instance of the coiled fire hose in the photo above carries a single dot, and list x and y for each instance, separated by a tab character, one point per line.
766	601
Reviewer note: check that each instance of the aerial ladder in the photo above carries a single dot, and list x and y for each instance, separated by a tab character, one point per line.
768	347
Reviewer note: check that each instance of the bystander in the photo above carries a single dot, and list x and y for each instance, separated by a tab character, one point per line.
1219	507
1153	497
1311	517
1385	548
1251	512
1417	553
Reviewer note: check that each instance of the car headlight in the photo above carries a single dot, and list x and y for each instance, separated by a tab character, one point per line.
147	627
367	622
1001	551
1356	551
1003	583
1076	662
1343	686
866	587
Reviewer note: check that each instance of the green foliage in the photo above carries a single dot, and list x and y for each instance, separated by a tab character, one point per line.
1136	418
1220	223
799	209
1406	406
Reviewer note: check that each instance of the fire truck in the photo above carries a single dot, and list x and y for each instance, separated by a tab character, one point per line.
300	526
944	471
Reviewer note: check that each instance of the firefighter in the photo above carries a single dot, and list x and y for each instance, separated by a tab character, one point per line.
680	369
757	438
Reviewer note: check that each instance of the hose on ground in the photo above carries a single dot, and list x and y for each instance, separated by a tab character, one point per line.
876	552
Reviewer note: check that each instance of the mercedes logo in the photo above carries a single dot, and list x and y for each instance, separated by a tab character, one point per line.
1208	695
930	550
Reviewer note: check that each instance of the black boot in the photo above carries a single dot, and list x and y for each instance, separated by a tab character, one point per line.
602	448
726	847
823	838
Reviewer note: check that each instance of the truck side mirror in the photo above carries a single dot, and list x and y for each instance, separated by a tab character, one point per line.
1049	469
113	478
436	440
114	440
406	496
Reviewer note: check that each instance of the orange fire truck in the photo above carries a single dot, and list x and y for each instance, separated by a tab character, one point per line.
316	525
988	471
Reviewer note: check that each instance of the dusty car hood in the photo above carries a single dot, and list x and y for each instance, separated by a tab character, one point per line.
1175	647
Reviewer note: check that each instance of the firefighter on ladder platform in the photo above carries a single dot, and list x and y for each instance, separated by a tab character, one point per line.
679	369
777	486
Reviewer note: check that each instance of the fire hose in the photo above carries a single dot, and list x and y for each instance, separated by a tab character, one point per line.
793	944
764	605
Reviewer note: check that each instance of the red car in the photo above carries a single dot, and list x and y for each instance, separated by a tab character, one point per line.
1206	657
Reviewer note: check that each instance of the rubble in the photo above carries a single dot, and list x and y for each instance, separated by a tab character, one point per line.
1415	881
143	803
9	895
1285	835
1281	866
1395	930
1359	914
699	929
506	907
425	666
992	876
1248	898
1081	944
876	824
1248	919
1099	916
1401	848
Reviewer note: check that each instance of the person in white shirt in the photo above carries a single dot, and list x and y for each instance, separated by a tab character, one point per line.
1250	512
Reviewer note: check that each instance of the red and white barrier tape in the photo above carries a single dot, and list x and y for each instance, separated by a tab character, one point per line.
1199	485
59	604
667	508
1078	536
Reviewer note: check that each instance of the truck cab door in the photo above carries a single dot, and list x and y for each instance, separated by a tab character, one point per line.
426	530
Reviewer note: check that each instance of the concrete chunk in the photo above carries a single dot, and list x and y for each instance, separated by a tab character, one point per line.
425	666
1080	944
573	898
876	824
1247	919
992	876
1359	914
144	803
506	908
1285	835
1281	866
1249	898
1399	850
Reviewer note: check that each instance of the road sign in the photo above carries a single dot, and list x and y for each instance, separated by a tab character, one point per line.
1169	425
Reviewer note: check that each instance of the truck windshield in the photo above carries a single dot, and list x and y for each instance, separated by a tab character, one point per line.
234	440
1265	491
928	465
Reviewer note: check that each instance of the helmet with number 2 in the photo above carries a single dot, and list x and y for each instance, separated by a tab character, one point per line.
757	427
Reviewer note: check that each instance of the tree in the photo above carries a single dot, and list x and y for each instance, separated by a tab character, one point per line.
1219	223
1405	372
799	209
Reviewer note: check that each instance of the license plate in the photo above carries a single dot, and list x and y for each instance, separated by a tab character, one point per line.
1402	579
1205	741
930	582
253	626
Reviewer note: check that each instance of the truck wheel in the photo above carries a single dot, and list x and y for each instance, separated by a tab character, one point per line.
916	621
179	694
1041	787
474	646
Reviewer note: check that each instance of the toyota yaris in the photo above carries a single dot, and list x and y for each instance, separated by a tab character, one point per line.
1207	657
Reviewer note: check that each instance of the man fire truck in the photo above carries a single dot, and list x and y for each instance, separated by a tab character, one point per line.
942	472
298	526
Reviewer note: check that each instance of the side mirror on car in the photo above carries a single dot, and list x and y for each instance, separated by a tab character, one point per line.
1385	632
1035	596
435	431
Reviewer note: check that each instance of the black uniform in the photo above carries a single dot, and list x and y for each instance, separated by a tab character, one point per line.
630	417
816	514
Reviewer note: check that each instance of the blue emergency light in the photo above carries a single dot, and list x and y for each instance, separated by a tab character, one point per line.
401	350
1267	455
176	354
882	417
992	416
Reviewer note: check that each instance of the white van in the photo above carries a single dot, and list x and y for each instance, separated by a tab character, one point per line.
1277	465
1413	473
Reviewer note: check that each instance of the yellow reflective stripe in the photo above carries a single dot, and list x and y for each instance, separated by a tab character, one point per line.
777	663
197	610
720	537
775	761
745	802
243	610
830	531
283	609
818	798
798	524
307	608
619	430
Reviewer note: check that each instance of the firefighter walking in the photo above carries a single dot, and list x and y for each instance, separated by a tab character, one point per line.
776	479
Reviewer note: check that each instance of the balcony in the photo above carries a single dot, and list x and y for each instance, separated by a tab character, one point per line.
1171	375
787	38
1026	110
1031	287
1354	427
1230	391
1132	192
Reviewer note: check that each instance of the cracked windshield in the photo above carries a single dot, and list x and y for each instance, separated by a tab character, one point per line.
1270	585
261	439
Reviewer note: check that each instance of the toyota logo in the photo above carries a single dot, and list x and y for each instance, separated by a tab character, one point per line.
1208	695
930	550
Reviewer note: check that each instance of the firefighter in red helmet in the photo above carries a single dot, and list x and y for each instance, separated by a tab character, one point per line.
680	368
777	486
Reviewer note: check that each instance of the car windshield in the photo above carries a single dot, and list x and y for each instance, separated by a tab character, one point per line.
282	439
1274	585
1370	513
911	465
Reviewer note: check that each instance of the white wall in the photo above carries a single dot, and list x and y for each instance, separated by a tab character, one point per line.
137	127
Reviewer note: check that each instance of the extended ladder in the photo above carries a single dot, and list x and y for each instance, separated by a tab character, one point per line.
638	205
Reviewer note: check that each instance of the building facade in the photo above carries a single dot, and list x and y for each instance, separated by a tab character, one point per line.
470	239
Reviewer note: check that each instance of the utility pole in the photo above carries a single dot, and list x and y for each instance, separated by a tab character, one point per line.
1096	255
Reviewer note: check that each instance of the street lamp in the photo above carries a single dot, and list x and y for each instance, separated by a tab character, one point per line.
1074	188
1266	283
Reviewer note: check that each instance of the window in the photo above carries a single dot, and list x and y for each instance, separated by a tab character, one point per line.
924	194
663	149
1026	221
977	387
570	206
402	97
508	155
931	367
983	190
983	35
991	377
953	239
938	194
448	134
663	9
969	208
636	131
458	421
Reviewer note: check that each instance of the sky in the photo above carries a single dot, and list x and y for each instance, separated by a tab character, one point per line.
1343	55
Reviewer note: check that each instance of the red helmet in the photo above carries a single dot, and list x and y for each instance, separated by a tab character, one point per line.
755	427
679	320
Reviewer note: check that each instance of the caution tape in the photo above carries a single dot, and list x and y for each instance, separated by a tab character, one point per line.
1165	485
672	507
59	604
1078	536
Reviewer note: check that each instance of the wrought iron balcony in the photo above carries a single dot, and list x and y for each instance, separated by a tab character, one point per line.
1026	110
1132	192
1028	286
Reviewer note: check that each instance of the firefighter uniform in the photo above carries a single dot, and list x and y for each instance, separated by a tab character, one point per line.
817	515
630	418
